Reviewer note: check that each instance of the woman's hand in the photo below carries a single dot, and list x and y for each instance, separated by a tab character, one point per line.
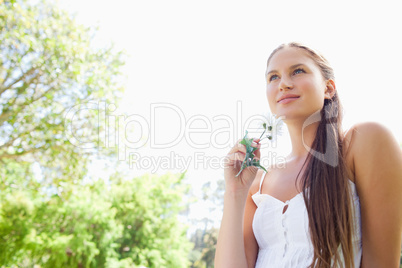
230	250
233	162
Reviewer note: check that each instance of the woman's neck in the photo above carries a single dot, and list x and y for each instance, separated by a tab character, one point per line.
302	138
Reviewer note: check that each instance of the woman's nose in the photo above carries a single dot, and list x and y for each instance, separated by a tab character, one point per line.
286	83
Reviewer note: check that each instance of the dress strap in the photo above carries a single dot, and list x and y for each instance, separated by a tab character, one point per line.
261	181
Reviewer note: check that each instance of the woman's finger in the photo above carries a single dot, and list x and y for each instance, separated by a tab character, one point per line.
235	159
238	147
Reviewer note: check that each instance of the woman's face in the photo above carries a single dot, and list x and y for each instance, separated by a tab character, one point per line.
294	76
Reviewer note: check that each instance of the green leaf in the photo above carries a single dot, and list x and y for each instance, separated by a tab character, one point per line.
249	157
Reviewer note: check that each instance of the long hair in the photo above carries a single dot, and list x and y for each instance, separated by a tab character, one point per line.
325	185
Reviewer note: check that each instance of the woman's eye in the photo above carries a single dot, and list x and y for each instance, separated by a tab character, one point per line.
298	71
273	77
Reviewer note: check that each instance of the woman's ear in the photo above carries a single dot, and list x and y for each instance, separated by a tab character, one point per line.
330	89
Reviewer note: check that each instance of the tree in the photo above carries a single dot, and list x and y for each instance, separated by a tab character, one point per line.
204	247
126	223
205	239
49	65
148	208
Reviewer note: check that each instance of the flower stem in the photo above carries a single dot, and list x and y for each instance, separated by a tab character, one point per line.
262	133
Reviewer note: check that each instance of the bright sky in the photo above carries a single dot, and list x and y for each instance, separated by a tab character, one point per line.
195	60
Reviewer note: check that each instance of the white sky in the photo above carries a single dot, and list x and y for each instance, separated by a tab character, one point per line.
205	57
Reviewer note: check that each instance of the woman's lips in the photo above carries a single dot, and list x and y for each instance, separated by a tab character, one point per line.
287	100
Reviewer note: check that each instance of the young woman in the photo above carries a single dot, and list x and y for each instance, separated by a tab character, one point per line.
336	203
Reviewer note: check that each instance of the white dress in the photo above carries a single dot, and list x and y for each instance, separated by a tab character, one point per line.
283	238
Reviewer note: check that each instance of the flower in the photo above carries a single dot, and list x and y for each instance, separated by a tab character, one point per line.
249	158
272	126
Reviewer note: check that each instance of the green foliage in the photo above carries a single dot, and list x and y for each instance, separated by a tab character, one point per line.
124	223
203	253
147	208
47	66
249	158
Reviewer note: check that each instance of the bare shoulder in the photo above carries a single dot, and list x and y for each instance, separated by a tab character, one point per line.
368	131
367	136
256	183
368	144
370	139
376	157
